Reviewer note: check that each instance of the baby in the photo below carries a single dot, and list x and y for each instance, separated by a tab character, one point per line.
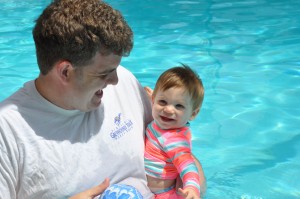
176	99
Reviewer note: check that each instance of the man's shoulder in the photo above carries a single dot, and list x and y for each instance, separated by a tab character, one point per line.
15	100
124	72
7	105
127	81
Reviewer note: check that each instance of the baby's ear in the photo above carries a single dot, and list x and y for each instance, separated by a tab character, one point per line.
194	114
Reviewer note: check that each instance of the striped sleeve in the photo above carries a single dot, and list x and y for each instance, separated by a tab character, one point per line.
177	147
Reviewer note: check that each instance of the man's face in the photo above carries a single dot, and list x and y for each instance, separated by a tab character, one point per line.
87	83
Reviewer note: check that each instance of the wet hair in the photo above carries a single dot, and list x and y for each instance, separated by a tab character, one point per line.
182	77
74	30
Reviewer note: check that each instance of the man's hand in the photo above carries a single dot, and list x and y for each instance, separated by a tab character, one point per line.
188	193
93	192
149	92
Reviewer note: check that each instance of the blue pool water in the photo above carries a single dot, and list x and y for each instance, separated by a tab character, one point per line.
247	52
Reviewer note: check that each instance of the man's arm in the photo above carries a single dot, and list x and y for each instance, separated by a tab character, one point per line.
93	192
201	175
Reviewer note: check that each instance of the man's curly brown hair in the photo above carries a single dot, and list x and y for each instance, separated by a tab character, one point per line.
74	30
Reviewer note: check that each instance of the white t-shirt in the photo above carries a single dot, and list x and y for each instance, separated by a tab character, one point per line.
49	152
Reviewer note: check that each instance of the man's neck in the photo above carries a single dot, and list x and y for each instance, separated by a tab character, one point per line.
50	89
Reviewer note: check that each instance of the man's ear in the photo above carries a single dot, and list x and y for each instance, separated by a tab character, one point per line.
64	70
194	113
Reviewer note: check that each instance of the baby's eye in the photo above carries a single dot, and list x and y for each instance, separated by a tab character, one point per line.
162	102
179	106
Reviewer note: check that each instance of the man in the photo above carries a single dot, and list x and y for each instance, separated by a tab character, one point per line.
82	121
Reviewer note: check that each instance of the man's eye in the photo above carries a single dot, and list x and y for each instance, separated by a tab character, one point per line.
162	102
179	106
103	76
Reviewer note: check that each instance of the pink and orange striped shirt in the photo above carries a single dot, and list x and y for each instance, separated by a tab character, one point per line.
168	153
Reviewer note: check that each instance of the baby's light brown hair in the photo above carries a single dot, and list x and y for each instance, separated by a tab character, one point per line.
182	77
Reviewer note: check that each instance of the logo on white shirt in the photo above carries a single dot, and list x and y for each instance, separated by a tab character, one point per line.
122	126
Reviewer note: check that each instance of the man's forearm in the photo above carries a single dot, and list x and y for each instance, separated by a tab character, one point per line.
202	176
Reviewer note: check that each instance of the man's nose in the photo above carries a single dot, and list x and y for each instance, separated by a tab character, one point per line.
112	78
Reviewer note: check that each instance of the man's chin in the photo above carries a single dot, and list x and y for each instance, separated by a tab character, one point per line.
90	107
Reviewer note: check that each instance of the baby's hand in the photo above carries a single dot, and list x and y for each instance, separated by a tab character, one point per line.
189	193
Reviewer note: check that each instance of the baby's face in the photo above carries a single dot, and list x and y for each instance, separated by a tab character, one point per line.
172	108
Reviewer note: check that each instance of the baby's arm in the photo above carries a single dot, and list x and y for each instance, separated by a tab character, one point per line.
201	176
188	193
178	149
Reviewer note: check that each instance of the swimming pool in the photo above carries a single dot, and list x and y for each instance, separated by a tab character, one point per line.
247	53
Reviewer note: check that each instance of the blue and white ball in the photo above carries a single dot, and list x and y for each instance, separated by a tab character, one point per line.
121	191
